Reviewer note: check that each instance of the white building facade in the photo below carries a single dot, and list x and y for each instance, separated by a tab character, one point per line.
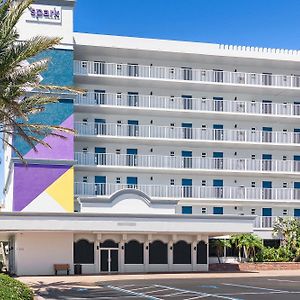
176	143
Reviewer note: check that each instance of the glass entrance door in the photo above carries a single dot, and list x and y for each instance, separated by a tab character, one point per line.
109	260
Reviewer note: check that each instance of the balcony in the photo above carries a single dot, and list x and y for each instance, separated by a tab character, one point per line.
187	133
191	192
98	68
186	163
268	222
189	104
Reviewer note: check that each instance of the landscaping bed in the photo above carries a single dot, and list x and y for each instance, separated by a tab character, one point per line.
12	289
264	266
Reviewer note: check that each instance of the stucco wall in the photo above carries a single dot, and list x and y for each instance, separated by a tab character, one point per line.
37	252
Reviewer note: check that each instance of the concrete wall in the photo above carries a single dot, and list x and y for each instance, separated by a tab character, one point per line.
35	253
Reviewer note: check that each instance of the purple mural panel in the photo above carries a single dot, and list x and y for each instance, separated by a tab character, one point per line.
60	148
31	180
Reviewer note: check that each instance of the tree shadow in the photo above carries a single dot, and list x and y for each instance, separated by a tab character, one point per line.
63	290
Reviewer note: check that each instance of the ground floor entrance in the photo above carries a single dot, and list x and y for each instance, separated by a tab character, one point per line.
109	257
89	243
131	252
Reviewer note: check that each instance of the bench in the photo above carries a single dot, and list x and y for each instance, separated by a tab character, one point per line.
61	267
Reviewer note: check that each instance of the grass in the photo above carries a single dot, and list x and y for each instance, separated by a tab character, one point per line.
12	289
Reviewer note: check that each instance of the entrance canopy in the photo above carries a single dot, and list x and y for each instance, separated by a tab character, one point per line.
211	225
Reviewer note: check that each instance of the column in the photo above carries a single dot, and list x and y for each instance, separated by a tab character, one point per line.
194	254
170	255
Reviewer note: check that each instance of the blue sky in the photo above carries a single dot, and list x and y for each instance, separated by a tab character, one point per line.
265	23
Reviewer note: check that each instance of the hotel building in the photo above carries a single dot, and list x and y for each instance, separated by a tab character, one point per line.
176	143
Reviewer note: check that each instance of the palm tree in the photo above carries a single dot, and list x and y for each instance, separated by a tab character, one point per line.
18	76
288	229
248	242
219	245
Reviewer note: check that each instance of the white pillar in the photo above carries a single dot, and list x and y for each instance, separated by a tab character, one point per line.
170	255
194	255
146	256
122	256
97	256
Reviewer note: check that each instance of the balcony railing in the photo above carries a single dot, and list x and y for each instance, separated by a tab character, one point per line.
98	68
188	104
178	162
187	133
199	192
268	222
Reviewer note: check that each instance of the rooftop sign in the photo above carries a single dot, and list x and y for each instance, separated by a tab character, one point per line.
44	14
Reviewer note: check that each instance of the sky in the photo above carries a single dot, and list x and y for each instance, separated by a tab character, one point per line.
262	23
265	23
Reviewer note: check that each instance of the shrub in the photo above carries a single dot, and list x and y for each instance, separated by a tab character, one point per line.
12	289
269	254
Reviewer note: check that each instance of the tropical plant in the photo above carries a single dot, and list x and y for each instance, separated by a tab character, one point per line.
20	74
271	254
247	242
12	289
288	229
219	245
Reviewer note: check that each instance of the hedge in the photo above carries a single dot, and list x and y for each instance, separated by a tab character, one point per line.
12	289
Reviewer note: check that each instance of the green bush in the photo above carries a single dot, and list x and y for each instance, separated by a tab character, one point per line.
12	289
269	254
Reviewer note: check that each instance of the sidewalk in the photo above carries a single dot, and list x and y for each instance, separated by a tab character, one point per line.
90	280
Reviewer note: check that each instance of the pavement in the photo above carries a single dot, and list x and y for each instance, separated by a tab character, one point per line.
263	285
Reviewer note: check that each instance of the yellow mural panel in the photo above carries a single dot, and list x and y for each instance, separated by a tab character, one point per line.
62	190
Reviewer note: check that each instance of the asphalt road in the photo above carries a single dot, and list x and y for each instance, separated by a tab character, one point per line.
260	288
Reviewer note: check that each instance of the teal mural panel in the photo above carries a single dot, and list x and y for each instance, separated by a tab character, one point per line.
54	114
60	68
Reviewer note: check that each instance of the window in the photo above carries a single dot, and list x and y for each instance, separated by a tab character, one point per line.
203	126
84	120
253	128
253	184
285	212
83	252
158	253
203	154
84	64
118	151
266	212
203	210
285	185
172	124
253	211
297	212
187	210
119	122
118	180
218	210
182	253
134	253
172	181
172	153
203	182
84	150
253	156
201	253
84	179
284	157
274	243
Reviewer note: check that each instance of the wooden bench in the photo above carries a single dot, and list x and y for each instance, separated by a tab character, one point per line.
61	267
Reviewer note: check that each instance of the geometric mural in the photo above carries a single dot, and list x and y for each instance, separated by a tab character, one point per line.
62	190
60	148
31	181
46	183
